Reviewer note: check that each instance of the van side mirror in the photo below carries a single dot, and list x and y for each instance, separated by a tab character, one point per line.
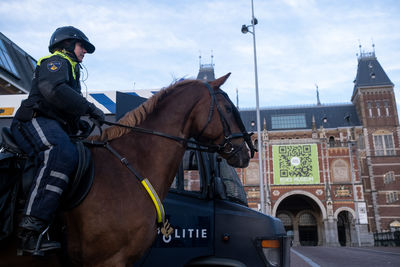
220	190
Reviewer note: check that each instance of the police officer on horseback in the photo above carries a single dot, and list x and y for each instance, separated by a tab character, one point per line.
42	126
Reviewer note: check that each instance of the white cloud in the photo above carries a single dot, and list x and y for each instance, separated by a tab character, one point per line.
300	43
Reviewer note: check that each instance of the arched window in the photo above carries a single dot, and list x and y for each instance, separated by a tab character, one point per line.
386	105
331	141
286	220
378	108
389	177
369	104
307	219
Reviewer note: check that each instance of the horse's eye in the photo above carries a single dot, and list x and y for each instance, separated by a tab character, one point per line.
228	109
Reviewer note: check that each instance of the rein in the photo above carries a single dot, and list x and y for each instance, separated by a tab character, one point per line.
198	145
144	181
166	229
225	147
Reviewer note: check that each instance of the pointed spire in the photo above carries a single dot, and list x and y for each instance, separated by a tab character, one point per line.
206	71
318	101
369	71
199	59
373	45
237	98
366	55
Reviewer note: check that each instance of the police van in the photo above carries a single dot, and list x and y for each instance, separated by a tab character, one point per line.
212	224
206	207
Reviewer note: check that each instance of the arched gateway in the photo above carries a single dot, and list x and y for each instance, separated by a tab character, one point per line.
345	226
304	214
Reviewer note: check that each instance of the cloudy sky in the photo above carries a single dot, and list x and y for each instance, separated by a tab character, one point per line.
148	44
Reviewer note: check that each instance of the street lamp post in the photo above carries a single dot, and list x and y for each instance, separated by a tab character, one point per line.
353	179
245	29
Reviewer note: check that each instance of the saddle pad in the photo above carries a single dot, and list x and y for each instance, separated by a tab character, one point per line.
80	186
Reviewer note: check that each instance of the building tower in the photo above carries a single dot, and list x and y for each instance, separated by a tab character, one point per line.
379	149
206	71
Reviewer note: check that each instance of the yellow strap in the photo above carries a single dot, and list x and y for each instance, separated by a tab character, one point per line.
58	53
156	200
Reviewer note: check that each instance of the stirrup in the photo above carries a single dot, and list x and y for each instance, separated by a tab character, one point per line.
36	251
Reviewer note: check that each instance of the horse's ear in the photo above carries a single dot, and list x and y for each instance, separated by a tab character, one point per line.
220	81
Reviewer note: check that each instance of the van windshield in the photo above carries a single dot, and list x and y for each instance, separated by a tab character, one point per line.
190	178
233	185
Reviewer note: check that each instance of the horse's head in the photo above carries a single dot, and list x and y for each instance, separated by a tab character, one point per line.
222	124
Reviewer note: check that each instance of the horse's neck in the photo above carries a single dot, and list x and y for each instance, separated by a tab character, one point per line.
157	158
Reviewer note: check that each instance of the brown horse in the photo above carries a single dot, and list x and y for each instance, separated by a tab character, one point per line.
116	223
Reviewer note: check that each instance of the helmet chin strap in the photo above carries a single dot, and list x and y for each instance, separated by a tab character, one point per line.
69	50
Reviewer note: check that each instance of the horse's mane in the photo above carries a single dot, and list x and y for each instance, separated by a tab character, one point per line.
138	115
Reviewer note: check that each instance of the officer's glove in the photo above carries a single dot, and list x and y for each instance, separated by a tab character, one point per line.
84	127
96	114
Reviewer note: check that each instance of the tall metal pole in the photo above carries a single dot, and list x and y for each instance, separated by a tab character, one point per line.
259	147
353	179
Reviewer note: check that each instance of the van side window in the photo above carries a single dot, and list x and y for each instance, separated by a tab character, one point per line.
233	185
188	178
191	174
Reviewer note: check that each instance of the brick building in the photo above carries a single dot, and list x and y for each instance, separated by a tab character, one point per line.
331	172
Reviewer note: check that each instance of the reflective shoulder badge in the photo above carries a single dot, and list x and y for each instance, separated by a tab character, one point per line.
53	66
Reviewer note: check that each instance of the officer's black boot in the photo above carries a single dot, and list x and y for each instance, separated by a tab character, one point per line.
33	237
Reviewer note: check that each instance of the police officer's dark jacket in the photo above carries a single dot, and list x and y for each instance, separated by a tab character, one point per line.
55	92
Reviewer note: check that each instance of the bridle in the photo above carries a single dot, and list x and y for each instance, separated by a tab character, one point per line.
226	147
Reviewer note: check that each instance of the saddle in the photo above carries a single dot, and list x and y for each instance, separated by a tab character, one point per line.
20	174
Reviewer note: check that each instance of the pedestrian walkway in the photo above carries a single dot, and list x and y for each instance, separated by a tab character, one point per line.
320	256
299	260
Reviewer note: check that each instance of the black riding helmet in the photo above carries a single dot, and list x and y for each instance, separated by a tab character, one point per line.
70	33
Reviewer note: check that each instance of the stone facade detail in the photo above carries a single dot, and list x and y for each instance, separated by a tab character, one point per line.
355	191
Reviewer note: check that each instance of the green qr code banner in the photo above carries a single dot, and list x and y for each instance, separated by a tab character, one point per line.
295	164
